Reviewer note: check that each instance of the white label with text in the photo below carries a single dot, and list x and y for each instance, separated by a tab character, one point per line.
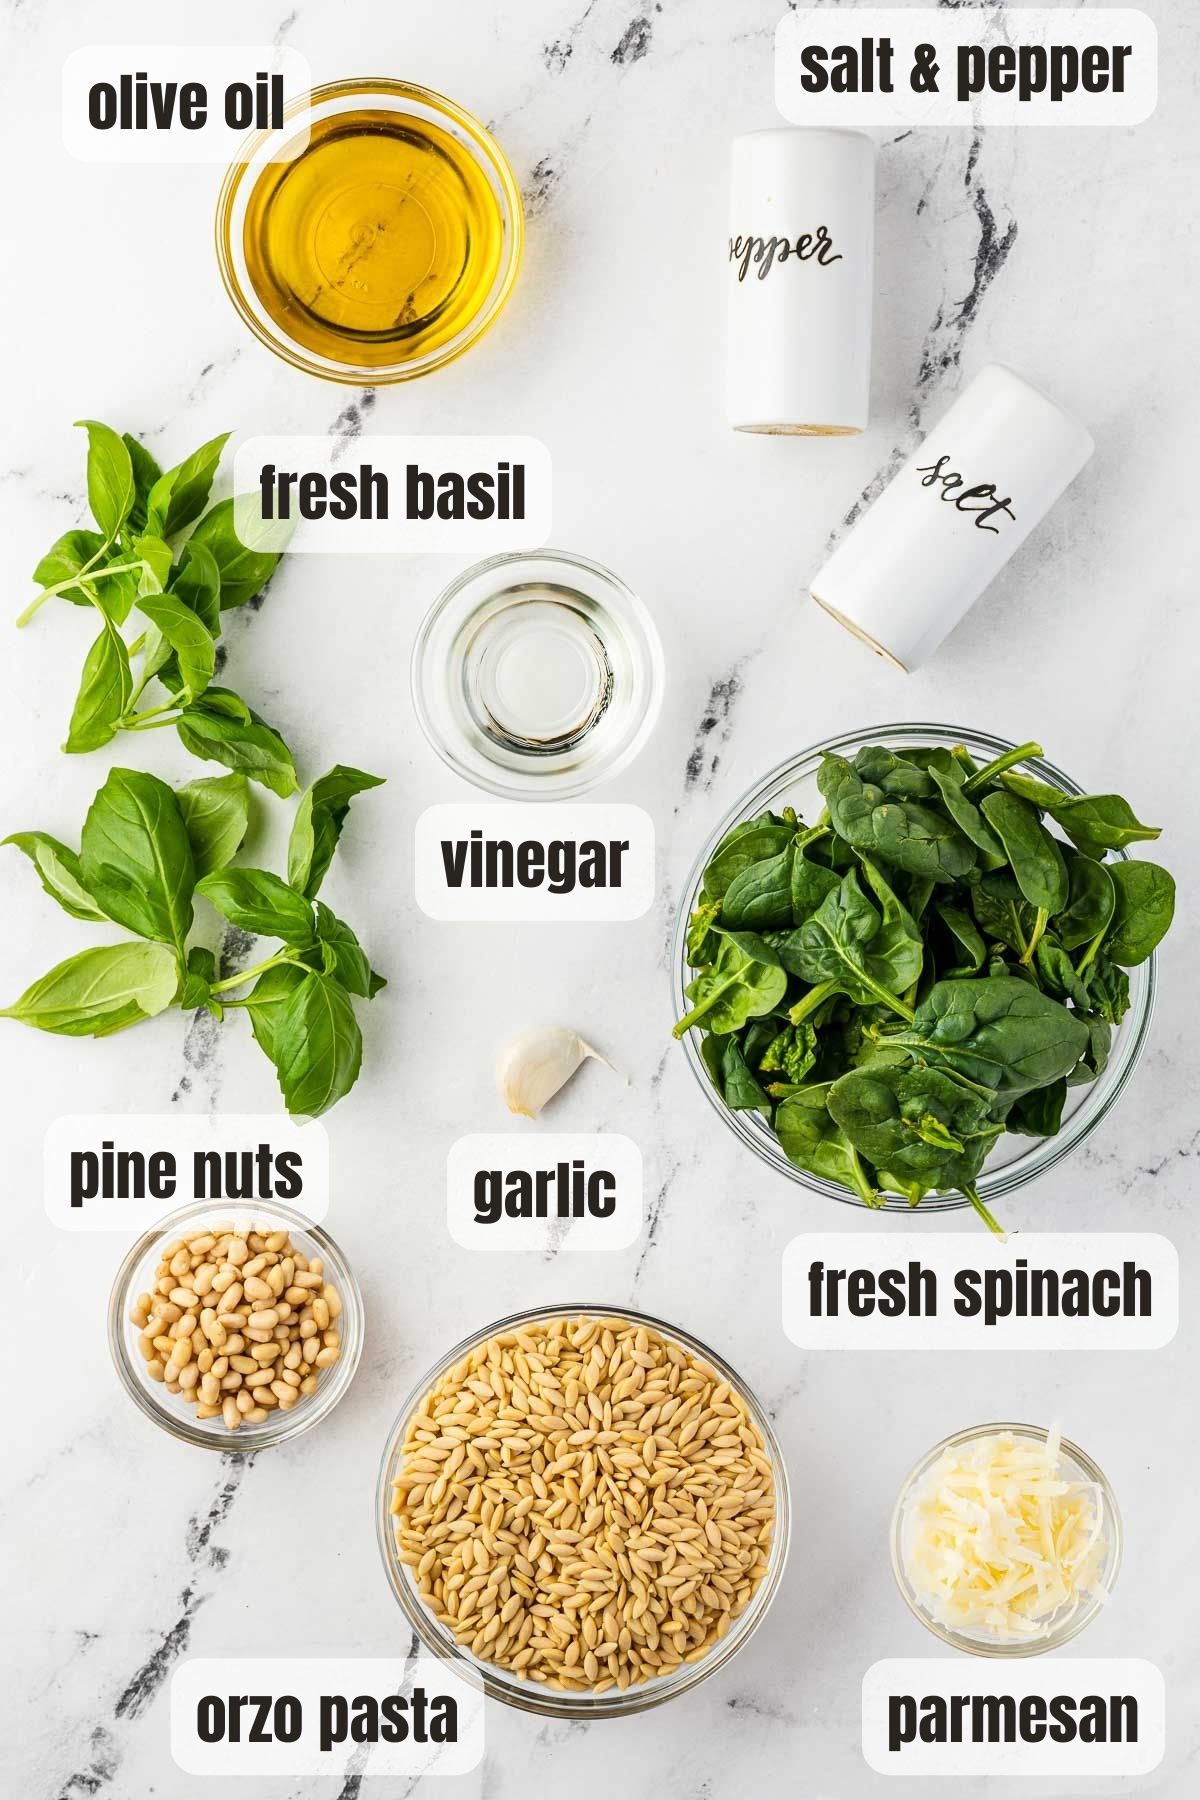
122	1171
180	103
532	1190
327	1716
966	65
1043	1290
571	861
415	494
1061	1717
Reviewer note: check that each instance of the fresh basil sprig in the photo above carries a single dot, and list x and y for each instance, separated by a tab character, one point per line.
927	967
137	559
146	851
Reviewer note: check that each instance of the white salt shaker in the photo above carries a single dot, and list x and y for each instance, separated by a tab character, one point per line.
914	563
800	272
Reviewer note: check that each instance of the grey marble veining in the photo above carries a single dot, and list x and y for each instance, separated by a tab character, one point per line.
1071	255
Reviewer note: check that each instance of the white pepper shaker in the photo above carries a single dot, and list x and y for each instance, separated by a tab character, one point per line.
800	271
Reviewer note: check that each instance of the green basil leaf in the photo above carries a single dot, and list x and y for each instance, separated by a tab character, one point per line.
66	557
317	1046
266	1000
250	745
189	638
137	859
100	991
157	556
182	493
59	871
260	902
1143	911
110	481
344	957
244	572
105	690
197	983
318	824
216	812
145	473
197	582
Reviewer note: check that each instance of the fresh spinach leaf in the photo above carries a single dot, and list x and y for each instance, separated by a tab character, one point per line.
1090	902
760	898
1037	862
746	980
1095	823
812	1139
909	834
919	1123
742	848
1039	1113
871	955
970	951
1002	1034
1144	906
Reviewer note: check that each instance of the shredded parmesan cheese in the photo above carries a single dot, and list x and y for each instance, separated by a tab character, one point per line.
998	1539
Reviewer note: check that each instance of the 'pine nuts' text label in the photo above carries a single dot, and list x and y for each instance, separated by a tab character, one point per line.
122	1171
1045	1716
180	103
569	861
1043	1290
331	1716
416	494
539	1191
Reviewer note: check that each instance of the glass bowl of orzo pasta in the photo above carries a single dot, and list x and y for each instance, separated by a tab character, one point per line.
585	1509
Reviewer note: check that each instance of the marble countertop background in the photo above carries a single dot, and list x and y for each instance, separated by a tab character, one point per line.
1069	254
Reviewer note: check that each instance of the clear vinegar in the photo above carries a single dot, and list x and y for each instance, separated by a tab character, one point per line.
377	244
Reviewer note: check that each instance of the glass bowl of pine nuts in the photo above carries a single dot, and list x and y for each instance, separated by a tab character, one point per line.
235	1327
585	1509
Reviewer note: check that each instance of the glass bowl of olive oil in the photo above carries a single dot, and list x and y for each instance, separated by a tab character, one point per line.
378	241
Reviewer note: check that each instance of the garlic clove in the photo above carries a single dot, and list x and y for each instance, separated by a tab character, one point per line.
533	1067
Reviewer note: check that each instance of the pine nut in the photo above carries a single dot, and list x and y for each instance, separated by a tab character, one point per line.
240	1323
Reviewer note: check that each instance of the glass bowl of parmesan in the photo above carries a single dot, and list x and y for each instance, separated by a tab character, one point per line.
1006	1540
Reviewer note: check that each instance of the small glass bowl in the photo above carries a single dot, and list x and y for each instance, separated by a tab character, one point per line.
537	674
503	1684
381	95
170	1411
1071	1621
1016	1160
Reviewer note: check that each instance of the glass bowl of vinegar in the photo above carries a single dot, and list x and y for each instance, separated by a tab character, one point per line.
376	238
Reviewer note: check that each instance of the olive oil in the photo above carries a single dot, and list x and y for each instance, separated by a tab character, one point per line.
379	243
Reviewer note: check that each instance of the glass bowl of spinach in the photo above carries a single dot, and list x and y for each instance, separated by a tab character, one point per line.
914	965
